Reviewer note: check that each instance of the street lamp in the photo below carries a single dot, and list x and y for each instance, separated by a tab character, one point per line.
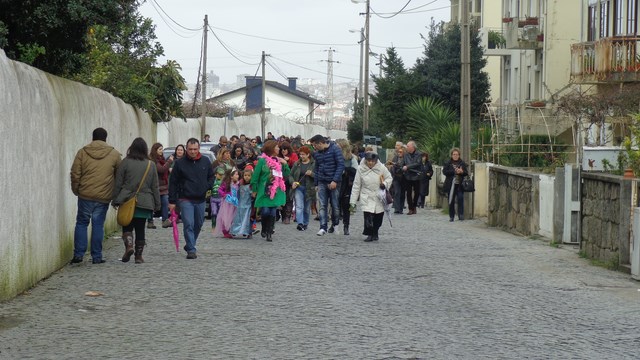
365	114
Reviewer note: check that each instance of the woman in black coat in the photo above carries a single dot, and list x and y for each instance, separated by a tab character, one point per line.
425	175
455	170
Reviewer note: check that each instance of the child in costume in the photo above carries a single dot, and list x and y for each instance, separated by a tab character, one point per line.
241	226
229	194
215	198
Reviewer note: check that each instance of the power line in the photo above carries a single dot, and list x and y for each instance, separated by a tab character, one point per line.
280	40
227	49
308	69
175	22
397	12
175	31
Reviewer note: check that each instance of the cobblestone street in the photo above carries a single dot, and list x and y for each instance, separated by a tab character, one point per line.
429	289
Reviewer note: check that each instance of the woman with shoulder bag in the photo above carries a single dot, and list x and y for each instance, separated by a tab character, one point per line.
371	177
425	176
137	176
455	170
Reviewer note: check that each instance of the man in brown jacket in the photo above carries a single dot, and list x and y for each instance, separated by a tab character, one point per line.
92	180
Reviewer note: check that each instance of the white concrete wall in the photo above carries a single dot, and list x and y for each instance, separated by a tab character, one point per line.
45	120
178	131
547	191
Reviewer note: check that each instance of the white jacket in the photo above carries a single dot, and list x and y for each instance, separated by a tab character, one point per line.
366	186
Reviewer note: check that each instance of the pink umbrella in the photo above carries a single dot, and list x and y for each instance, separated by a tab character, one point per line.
174	222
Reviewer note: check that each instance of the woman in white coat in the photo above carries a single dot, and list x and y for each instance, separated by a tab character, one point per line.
371	176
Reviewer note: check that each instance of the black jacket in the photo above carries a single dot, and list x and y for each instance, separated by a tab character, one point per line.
413	162
190	179
449	170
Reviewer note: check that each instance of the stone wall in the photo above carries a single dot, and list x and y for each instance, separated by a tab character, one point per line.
45	121
514	200
606	217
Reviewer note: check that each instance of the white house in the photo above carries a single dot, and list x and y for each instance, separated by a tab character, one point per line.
280	99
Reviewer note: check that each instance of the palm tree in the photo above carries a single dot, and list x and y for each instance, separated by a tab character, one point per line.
434	127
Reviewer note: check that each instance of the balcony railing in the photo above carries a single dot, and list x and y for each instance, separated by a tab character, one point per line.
523	33
606	61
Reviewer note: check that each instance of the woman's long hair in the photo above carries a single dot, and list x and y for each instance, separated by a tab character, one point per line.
138	150
153	154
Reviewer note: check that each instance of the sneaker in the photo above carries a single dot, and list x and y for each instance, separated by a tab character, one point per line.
331	230
304	227
321	232
99	261
150	225
300	227
76	260
166	224
192	255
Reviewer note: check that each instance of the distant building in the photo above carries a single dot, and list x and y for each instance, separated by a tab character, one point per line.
280	99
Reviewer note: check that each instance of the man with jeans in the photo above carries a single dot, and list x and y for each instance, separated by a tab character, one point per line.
92	179
191	177
327	177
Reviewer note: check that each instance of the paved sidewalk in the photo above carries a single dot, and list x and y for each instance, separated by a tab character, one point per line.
428	289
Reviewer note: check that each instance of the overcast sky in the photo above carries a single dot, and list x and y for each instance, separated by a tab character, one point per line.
298	32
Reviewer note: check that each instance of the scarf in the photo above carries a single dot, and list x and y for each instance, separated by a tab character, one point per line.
276	182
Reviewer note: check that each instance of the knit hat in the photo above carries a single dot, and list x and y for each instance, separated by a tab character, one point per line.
220	170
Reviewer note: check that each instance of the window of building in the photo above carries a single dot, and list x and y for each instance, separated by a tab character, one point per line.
604	18
632	17
618	21
591	31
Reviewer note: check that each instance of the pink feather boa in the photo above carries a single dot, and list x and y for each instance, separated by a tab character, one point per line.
277	182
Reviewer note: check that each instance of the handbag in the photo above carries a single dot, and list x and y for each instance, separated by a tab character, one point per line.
467	185
388	196
128	208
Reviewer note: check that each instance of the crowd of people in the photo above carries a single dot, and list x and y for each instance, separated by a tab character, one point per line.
250	182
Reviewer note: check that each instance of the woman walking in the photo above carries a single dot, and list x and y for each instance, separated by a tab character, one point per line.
455	170
138	174
268	187
425	175
371	178
163	167
346	185
301	179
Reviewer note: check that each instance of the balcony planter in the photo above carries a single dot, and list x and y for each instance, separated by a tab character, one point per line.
537	104
528	21
507	20
540	37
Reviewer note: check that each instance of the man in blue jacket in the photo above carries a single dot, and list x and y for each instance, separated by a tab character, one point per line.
191	177
327	177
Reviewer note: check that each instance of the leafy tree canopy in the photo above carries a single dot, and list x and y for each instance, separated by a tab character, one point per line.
102	43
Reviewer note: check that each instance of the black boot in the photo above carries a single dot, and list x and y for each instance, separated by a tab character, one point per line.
346	229
374	237
265	221
127	237
272	224
369	238
138	252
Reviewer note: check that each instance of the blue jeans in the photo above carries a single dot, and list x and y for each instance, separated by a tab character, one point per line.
268	211
325	195
94	212
164	201
303	206
192	215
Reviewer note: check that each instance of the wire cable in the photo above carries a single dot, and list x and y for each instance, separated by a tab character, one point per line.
312	70
397	12
227	49
175	22
281	40
171	27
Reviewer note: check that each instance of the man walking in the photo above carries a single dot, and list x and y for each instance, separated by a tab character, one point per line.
191	177
412	171
92	179
327	176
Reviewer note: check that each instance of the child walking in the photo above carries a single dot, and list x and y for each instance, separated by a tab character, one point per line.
229	194
241	226
215	198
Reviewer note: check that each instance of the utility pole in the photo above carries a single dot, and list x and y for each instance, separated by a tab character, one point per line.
365	114
361	59
330	87
264	84
465	85
203	127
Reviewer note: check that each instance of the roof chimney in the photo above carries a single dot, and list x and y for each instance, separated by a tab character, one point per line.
292	83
